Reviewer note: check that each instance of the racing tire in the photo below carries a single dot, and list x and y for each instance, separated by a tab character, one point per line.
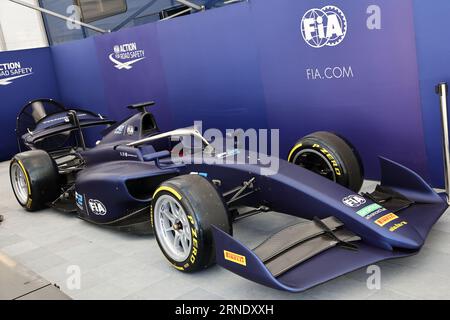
183	211
34	179
330	156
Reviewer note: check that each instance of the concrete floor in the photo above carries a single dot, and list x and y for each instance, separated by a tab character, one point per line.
116	265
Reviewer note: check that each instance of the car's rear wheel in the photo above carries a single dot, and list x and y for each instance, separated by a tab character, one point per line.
34	179
183	211
330	156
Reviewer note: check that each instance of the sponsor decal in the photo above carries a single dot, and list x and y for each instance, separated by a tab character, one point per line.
375	213
368	210
397	226
384	220
194	235
128	155
11	71
203	174
65	118
327	154
79	200
322	27
228	154
234	257
130	130
97	207
354	201
120	129
126	55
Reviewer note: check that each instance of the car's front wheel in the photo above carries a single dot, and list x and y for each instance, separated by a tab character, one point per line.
182	213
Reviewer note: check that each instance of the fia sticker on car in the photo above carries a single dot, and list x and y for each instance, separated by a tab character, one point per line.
97	207
353	201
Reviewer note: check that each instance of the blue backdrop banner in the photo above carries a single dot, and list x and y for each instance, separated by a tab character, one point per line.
24	75
299	66
357	77
132	72
433	51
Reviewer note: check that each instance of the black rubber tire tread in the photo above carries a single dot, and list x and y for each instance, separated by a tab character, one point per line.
42	175
343	152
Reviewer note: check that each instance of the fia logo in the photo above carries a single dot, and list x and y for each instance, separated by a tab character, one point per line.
353	201
324	27
97	207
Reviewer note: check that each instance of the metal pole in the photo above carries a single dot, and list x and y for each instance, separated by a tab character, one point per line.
2	40
60	16
192	5
177	14
442	91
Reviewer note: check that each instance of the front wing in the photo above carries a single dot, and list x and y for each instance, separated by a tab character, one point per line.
318	257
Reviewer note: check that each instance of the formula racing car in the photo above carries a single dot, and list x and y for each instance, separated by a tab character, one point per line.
181	187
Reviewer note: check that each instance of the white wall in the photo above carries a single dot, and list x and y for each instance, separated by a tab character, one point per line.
22	27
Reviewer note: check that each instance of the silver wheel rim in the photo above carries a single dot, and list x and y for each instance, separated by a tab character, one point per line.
325	160
172	228
19	183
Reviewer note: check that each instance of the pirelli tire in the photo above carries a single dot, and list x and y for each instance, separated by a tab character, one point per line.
183	211
331	156
34	179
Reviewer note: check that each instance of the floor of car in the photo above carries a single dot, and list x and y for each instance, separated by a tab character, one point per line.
117	265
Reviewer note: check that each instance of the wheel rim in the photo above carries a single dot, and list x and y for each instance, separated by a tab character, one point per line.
19	183
172	228
316	162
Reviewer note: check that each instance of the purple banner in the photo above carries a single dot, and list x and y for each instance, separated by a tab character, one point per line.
343	66
132	72
298	66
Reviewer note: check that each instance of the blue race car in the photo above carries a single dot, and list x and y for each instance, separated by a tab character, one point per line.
130	180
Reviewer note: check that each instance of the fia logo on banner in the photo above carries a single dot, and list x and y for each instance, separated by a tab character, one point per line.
324	27
125	55
12	71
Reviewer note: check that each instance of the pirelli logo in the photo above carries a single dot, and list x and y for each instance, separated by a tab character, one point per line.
384	220
234	257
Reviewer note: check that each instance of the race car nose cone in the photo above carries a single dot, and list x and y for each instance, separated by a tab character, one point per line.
405	237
